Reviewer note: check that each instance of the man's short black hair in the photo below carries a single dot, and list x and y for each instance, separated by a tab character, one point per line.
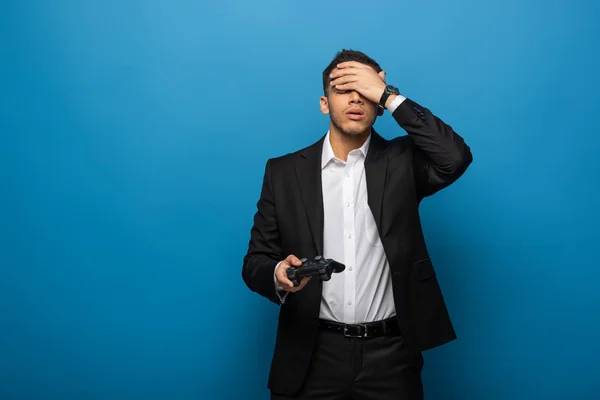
347	55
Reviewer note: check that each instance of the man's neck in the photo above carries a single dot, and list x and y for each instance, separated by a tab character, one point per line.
344	144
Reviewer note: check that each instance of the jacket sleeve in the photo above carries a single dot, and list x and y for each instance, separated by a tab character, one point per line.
264	250
441	156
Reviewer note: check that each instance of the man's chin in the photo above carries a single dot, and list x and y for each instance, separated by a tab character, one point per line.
353	133
356	130
353	128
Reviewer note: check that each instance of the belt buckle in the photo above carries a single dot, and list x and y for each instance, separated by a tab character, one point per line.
361	330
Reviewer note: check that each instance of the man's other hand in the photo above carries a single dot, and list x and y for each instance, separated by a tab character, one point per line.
281	275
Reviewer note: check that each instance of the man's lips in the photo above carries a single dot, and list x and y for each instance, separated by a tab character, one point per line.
355	114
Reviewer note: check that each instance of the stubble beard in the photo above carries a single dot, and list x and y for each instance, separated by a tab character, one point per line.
350	133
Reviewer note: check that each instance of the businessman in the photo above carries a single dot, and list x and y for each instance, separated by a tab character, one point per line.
353	196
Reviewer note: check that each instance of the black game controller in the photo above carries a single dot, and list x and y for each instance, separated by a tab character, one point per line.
322	267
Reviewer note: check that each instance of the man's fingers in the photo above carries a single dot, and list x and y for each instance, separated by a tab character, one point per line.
288	286
343	80
303	283
347	86
293	260
336	73
284	282
281	274
352	64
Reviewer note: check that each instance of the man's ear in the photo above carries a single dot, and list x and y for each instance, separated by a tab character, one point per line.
324	105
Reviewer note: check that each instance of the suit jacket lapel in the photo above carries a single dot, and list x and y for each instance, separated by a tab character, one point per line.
308	173
375	171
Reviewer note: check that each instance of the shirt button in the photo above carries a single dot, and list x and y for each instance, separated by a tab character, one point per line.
350	302
350	268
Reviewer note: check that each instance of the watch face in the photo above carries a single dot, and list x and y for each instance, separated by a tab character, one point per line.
393	89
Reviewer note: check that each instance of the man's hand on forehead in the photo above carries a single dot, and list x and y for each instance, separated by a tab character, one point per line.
352	75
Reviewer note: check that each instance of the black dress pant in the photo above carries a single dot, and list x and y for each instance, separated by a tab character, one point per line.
378	368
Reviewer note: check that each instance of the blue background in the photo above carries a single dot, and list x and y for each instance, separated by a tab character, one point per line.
134	136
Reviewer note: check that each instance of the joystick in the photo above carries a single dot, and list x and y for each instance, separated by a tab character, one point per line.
319	266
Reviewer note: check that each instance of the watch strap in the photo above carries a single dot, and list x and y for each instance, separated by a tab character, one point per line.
389	90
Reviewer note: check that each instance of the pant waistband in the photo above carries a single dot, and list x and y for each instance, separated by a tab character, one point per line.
387	327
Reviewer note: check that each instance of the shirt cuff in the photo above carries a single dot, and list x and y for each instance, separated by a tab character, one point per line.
395	103
282	294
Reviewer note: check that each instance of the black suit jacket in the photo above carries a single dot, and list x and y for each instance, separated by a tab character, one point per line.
289	220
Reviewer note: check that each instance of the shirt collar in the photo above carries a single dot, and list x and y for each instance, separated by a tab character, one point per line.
327	153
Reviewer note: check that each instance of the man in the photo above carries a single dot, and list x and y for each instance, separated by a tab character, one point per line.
353	197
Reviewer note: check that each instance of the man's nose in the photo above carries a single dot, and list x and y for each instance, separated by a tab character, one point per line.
355	97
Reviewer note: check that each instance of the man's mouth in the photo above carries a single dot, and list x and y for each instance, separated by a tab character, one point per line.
355	114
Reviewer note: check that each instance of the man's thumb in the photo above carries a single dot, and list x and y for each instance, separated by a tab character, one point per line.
294	261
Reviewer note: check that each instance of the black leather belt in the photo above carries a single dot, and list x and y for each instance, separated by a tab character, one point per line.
387	327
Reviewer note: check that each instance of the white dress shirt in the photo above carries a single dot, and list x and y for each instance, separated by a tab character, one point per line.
363	291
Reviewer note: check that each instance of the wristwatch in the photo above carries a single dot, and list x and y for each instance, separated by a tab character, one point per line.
389	90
